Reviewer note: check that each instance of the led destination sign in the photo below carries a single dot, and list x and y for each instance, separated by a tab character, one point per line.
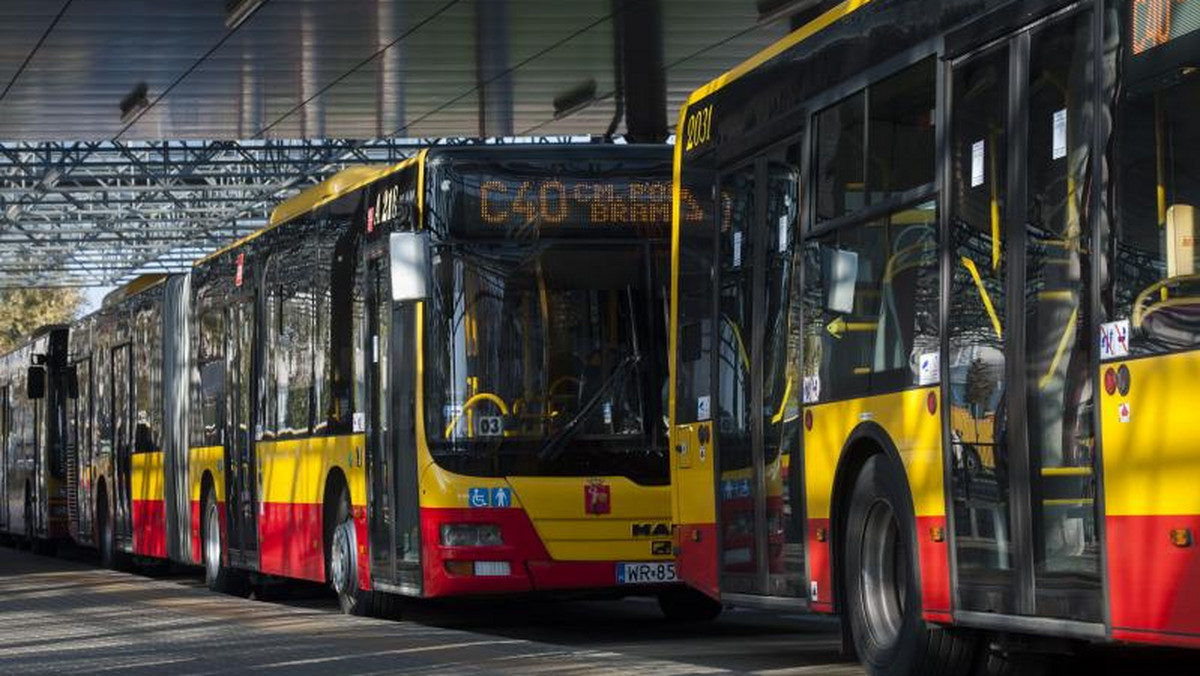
592	204
1154	23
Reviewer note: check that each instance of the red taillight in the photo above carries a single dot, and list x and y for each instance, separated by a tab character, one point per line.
931	403
1123	380
808	420
1110	381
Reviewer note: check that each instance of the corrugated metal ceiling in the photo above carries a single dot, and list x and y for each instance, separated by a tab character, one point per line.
332	68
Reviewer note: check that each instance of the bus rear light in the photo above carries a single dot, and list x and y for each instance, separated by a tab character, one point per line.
471	535
931	403
1123	380
808	420
1110	381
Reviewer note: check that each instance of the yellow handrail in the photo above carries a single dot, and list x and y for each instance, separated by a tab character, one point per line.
482	396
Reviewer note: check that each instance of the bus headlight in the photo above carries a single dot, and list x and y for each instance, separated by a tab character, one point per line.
471	535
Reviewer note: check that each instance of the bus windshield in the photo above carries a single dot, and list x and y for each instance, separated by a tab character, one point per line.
543	357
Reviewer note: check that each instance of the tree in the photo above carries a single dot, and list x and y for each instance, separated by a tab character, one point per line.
23	311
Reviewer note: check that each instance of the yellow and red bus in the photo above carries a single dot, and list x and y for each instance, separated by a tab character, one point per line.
445	377
933	342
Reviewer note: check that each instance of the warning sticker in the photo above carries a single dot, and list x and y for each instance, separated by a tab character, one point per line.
1114	339
812	389
929	369
1123	412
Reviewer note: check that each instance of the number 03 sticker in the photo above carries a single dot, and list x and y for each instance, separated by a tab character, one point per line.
490	426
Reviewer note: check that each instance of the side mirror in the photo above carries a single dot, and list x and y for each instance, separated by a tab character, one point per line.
35	382
71	378
410	257
840	270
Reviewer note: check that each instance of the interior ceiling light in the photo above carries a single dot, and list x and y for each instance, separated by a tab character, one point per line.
134	103
237	11
574	100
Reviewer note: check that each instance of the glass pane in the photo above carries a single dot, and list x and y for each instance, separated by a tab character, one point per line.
901	132
1155	259
976	325
739	559
781	378
870	305
693	367
1058	375
839	144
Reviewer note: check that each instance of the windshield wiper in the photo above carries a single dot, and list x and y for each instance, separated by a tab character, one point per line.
552	448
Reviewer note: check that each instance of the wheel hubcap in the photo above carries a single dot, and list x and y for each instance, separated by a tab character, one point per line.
884	574
212	543
342	561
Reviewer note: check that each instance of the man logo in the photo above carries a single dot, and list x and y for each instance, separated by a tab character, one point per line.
651	530
660	548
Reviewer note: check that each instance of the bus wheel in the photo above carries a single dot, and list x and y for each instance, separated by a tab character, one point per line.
218	576
343	561
684	604
883	601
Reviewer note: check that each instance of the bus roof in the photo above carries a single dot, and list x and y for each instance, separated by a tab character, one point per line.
132	288
340	184
823	21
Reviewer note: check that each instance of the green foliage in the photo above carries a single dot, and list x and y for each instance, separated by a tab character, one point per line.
23	311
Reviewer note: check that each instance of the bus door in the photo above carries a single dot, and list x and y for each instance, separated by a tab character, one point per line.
121	392
241	475
81	423
1021	424
390	337
756	409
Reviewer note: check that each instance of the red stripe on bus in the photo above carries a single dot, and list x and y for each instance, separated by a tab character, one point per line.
150	528
934	558
291	542
1154	585
697	558
819	567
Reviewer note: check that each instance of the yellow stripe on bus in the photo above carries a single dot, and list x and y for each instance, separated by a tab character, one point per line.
294	471
206	459
146	477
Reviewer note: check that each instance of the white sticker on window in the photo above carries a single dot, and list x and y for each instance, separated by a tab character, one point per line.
783	232
1114	339
1059	147
737	249
608	413
977	159
812	389
929	370
359	422
703	407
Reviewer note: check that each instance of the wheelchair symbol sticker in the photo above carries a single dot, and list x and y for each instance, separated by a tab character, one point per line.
479	497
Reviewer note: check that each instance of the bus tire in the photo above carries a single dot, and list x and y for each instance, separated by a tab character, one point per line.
106	537
684	604
343	561
883	599
218	576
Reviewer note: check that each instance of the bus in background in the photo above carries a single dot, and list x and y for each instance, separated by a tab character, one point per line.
945	381
122	430
35	385
442	378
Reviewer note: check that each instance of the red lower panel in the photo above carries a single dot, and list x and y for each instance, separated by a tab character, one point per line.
197	555
697	558
364	550
291	541
530	564
934	558
820	567
150	528
1154	586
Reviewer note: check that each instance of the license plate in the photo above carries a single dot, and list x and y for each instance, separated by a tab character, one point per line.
645	573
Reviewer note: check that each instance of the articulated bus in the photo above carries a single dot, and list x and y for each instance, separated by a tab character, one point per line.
33	475
934	340
445	377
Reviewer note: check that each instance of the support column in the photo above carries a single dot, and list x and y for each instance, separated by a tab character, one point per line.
492	69
638	32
